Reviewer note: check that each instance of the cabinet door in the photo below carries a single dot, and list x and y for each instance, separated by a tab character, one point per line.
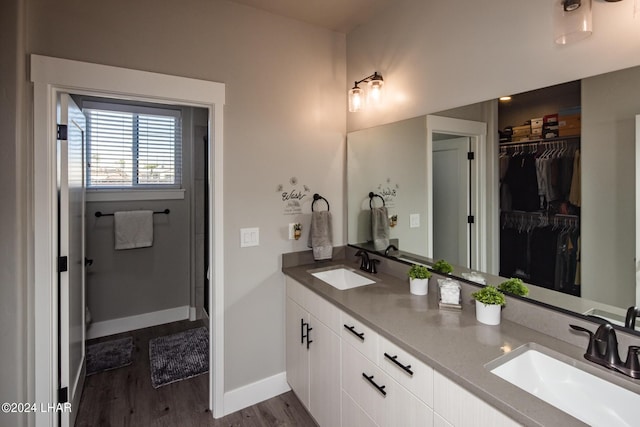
353	415
462	409
297	359
324	374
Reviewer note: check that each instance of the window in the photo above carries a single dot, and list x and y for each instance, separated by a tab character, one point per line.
133	147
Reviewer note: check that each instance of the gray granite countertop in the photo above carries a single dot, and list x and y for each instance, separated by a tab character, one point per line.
451	342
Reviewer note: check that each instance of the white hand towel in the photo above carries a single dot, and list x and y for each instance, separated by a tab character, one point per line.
133	229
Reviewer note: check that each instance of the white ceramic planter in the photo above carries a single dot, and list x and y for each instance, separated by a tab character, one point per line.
419	286
489	314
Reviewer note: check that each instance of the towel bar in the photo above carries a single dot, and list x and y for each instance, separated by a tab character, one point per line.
99	214
371	196
317	197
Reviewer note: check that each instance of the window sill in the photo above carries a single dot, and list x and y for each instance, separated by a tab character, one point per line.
125	195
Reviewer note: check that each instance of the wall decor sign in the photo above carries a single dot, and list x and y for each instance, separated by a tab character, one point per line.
389	192
292	196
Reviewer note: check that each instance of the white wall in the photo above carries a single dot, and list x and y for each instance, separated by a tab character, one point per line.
284	118
609	105
15	193
394	152
441	54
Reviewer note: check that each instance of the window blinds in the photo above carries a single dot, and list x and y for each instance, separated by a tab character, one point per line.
130	146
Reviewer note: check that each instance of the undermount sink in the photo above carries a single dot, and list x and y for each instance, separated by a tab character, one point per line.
342	278
585	396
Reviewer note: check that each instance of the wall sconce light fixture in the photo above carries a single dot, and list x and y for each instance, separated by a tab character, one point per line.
572	20
373	96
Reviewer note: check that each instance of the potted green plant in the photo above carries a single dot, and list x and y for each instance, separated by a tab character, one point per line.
489	302
419	279
442	267
514	286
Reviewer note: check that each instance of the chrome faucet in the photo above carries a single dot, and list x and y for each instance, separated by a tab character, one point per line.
603	350
389	249
367	264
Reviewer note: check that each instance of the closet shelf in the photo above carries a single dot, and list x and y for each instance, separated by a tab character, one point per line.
575	138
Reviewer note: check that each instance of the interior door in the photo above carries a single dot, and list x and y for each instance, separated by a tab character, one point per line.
71	205
451	236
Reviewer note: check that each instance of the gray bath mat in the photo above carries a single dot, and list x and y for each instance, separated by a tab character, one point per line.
109	355
178	357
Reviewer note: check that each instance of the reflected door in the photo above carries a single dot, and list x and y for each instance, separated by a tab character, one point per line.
451	195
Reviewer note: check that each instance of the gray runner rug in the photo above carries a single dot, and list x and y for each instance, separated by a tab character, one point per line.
109	355
179	356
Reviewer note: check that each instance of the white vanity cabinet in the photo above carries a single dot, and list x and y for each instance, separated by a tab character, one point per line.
455	406
347	375
313	353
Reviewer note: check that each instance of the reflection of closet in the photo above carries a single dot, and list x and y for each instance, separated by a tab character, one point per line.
540	189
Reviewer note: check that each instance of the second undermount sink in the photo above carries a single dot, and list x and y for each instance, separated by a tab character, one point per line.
341	277
587	397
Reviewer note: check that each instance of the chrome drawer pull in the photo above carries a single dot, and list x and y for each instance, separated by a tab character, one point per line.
406	368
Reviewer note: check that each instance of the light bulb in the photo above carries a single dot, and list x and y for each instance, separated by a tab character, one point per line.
356	99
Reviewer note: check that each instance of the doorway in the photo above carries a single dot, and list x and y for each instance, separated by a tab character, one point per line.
452	227
51	76
476	134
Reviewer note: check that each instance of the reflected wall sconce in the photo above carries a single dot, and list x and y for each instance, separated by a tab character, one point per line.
359	98
573	20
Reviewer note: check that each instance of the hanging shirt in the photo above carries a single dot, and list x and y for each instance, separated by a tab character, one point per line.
575	193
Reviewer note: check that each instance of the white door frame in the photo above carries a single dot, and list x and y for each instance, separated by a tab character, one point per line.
51	76
477	133
637	210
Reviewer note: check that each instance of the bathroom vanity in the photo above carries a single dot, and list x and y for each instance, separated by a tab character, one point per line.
377	355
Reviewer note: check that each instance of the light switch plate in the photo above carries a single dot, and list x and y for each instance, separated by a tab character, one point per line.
414	220
249	237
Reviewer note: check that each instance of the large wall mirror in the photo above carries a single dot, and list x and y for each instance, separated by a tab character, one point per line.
444	206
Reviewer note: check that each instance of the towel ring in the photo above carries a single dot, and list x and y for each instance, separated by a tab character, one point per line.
317	197
371	196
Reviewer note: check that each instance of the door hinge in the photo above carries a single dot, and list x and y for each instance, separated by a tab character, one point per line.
63	395
470	219
62	132
471	155
63	264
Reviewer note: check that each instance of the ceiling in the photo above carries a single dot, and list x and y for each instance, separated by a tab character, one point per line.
336	15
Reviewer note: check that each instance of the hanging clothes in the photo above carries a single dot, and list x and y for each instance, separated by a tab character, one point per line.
523	182
575	194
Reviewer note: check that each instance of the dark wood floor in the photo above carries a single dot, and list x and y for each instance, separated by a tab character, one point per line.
124	397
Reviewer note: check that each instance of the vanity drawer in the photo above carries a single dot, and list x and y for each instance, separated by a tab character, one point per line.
384	401
361	337
407	370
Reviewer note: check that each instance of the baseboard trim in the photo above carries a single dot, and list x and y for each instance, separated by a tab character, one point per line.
193	313
256	392
125	324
